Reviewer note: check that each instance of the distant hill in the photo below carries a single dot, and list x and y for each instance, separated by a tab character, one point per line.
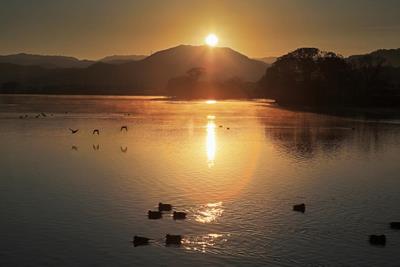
45	61
268	60
119	59
390	57
220	63
146	76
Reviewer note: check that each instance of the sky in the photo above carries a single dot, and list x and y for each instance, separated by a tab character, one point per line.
93	29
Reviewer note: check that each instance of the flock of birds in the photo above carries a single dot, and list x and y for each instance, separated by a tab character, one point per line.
41	114
155	215
97	132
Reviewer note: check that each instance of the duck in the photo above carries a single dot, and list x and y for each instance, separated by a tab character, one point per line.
164	207
140	240
154	215
179	215
395	225
173	239
300	207
379	240
73	131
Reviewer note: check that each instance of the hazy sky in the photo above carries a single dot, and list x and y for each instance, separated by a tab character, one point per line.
96	28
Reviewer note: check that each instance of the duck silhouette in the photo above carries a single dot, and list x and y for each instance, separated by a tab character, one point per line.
378	240
173	239
73	131
140	241
300	207
154	215
164	207
179	215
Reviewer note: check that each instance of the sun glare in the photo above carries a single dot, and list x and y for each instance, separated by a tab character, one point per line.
211	40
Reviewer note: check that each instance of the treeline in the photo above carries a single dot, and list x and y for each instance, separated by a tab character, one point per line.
311	77
196	84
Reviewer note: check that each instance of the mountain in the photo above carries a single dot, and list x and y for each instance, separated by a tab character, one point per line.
147	76
45	61
268	60
220	63
390	57
119	59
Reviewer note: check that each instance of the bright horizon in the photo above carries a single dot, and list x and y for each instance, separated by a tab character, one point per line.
92	30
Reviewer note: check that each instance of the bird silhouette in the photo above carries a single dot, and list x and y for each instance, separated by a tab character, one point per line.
124	150
96	131
73	131
97	147
124	128
74	148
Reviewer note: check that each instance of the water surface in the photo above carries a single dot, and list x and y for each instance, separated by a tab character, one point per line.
77	200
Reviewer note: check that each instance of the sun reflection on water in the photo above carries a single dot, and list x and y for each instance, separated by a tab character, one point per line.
209	212
203	243
211	143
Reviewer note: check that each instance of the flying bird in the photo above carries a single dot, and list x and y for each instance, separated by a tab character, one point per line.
124	150
96	131
73	131
124	128
97	147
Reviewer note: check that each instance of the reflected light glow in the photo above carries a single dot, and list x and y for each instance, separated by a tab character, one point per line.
211	101
210	141
209	212
204	242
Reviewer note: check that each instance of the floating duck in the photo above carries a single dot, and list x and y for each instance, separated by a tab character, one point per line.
140	241
154	214
300	207
395	225
164	207
173	239
73	131
179	215
379	240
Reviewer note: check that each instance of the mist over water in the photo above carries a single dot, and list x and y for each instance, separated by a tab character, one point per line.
78	199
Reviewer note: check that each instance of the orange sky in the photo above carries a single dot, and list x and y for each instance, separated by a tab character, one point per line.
96	28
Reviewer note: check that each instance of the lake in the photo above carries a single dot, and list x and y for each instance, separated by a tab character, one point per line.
236	167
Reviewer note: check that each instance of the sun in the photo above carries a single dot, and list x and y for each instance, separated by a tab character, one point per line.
211	40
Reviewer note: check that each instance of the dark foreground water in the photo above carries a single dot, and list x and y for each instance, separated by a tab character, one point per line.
77	200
